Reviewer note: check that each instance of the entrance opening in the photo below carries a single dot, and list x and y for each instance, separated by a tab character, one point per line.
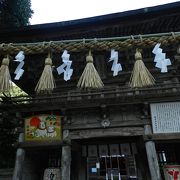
116	164
38	160
111	161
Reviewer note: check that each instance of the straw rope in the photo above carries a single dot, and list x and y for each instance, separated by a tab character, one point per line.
90	77
140	77
46	83
5	78
117	43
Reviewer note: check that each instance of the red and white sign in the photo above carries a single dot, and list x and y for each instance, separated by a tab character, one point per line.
172	172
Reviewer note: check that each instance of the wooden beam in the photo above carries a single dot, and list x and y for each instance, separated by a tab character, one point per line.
18	169
77	101
66	158
152	156
114	124
28	144
107	132
20	155
66	163
162	137
152	160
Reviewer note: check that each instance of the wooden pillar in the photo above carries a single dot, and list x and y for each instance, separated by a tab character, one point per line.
152	156
66	157
20	154
100	65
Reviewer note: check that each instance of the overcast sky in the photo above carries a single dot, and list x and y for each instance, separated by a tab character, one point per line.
46	11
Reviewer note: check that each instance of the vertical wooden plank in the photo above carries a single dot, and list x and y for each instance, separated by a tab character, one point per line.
83	163
114	149
20	155
134	148
125	149
103	150
82	170
66	157
84	151
100	65
17	174
92	150
152	156
66	162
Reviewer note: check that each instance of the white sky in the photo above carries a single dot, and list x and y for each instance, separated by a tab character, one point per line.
46	11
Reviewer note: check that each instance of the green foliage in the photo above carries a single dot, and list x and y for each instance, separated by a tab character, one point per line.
15	13
16	91
15	94
8	124
7	138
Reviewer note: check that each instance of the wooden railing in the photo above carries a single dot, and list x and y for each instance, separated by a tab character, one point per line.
93	98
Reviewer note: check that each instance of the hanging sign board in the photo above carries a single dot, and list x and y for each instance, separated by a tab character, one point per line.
43	127
52	174
172	172
165	117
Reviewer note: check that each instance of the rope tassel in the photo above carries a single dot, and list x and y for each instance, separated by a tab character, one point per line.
5	78
46	83
90	77
140	77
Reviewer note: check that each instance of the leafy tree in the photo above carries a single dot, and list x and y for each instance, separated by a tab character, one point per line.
15	13
8	124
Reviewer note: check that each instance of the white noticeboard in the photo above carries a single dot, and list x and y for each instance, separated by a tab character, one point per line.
165	117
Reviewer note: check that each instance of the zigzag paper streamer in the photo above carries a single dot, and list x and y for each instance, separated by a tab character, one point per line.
66	66
19	71
116	67
160	58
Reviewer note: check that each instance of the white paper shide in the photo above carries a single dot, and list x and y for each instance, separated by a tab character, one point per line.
19	71
116	67
160	59
66	66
